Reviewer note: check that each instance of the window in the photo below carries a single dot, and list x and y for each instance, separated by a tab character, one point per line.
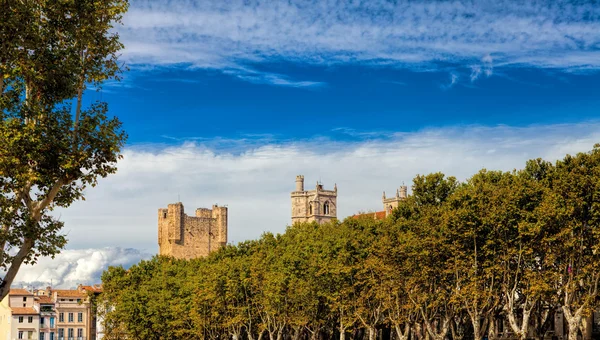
310	208
164	215
326	208
70	317
42	336
24	299
51	323
71	300
30	335
20	319
79	332
61	317
79	317
30	319
51	336
78	300
20	334
42	321
61	333
70	333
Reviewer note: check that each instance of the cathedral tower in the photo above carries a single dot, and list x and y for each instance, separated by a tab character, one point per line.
390	203
313	205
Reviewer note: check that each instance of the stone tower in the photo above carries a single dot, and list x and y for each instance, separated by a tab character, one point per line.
314	205
390	203
187	237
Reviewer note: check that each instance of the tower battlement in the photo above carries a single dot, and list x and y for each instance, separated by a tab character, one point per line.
391	203
187	237
313	205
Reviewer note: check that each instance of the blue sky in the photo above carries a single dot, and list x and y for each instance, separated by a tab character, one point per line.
307	68
173	104
227	101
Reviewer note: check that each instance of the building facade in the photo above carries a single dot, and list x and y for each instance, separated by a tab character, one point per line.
187	237
318	205
48	314
391	203
72	309
95	321
19	316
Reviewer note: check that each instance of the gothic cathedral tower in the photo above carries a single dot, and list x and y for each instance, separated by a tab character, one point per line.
314	205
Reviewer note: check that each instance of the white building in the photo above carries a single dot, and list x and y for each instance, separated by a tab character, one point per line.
19	316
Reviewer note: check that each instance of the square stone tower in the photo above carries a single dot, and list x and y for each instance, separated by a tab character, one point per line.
187	237
390	203
314	205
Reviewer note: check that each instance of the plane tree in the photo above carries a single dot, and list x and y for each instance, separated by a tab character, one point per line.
53	147
575	244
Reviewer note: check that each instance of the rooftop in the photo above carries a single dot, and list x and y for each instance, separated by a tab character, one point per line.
44	299
69	293
379	215
19	292
23	311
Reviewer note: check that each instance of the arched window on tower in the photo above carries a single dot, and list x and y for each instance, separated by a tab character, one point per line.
310	208
326	208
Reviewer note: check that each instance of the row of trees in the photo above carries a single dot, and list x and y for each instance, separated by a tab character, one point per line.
459	260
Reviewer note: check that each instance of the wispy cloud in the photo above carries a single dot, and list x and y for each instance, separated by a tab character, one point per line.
268	78
453	80
216	34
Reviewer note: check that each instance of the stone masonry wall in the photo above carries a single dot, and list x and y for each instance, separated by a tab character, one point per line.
187	237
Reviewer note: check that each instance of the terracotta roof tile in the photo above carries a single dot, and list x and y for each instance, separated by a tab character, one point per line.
69	293
45	299
95	288
379	215
20	292
23	311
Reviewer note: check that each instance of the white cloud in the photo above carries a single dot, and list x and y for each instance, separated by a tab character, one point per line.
271	78
227	34
255	177
73	267
453	80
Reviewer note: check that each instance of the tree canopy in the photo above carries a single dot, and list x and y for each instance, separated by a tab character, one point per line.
496	254
53	148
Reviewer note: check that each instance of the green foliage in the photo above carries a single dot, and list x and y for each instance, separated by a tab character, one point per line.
452	258
50	51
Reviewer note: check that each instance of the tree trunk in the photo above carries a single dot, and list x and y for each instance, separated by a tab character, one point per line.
402	335
372	333
476	329
432	332
417	331
573	321
342	335
509	308
297	333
